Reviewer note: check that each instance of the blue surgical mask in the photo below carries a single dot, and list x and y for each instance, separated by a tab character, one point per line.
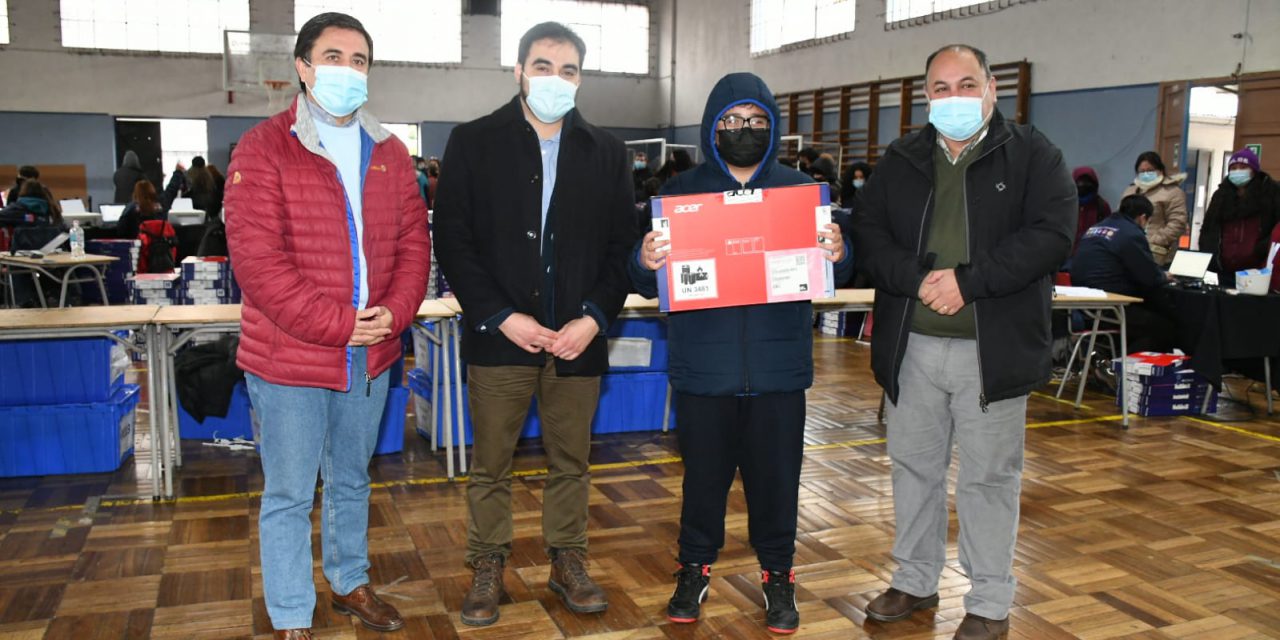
340	90
1147	178
858	182
957	118
1240	177
550	97
639	164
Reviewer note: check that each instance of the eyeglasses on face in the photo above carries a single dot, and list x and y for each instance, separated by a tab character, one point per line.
734	122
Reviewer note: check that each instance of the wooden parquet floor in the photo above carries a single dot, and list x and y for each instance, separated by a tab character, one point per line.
1168	530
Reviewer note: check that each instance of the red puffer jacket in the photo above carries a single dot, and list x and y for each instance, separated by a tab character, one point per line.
293	250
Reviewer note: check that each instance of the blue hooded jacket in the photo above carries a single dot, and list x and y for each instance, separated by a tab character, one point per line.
747	350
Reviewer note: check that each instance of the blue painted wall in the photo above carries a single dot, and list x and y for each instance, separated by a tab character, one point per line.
224	132
63	138
1102	128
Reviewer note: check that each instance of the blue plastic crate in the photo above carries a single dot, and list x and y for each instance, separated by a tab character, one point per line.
631	402
391	429
63	371
43	440
237	424
420	384
652	329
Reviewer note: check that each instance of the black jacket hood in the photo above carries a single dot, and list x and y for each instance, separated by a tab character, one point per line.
731	90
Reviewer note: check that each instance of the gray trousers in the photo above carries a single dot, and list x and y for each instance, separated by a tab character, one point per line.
938	405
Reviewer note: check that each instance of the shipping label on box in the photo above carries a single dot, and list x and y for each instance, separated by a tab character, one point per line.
744	247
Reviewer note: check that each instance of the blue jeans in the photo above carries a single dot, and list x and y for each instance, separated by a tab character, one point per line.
305	431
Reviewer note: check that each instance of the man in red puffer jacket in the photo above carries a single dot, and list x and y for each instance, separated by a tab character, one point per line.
328	236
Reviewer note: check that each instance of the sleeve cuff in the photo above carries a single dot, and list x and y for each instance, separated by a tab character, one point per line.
491	325
589	309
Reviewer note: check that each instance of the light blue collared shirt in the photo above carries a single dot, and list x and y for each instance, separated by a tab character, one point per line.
550	157
343	143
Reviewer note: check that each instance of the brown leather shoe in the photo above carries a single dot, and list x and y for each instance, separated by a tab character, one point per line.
364	604
980	628
894	605
570	581
291	634
480	607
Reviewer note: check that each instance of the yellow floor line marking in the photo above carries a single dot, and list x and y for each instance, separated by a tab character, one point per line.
1070	403
1226	427
418	482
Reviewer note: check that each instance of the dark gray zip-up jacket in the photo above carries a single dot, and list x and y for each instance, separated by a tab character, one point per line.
1021	209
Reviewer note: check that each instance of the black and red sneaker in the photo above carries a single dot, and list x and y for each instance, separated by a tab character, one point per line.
779	588
692	583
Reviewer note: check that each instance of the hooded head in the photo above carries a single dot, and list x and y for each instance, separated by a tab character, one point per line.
1086	183
131	160
732	90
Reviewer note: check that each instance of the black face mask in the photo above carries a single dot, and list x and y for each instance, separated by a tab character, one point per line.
744	147
1086	188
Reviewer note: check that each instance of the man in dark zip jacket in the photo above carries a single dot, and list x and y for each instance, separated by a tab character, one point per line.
739	373
960	229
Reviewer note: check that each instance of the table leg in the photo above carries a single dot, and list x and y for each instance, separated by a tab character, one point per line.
100	273
1124	368
433	365
1084	371
35	277
1266	370
166	444
445	397
153	408
171	417
66	279
666	410
457	391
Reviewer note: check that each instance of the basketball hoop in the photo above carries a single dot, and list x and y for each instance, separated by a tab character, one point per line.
279	93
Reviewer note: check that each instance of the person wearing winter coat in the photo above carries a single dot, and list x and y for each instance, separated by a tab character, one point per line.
1168	200
1093	207
739	373
329	239
961	230
128	175
1238	222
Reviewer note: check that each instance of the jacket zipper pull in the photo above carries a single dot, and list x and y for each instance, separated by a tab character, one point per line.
368	386
982	402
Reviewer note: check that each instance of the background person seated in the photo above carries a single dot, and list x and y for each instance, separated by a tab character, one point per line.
1114	256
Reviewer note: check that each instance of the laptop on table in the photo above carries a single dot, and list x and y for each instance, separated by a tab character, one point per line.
1188	267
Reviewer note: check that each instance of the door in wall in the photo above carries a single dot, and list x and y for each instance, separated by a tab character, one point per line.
143	138
1258	118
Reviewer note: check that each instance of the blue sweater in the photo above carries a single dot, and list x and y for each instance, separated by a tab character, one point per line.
747	350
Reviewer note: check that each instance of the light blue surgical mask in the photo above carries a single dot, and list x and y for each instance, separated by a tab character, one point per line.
639	164
957	118
339	90
1147	178
858	182
550	97
1240	177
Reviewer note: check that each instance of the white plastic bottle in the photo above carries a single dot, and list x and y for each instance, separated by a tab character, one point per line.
77	240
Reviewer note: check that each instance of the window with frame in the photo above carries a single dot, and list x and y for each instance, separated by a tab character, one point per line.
402	30
616	34
4	21
408	134
182	26
778	23
181	139
899	10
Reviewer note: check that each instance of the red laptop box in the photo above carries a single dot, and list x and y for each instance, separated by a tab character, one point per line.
745	247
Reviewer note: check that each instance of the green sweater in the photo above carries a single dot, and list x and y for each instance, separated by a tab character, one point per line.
949	240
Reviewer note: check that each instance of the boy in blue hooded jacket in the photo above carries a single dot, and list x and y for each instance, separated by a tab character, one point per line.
739	373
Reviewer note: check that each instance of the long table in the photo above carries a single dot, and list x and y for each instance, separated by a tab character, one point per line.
92	322
168	329
59	262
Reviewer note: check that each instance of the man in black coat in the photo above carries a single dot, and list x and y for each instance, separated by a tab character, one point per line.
535	220
960	229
